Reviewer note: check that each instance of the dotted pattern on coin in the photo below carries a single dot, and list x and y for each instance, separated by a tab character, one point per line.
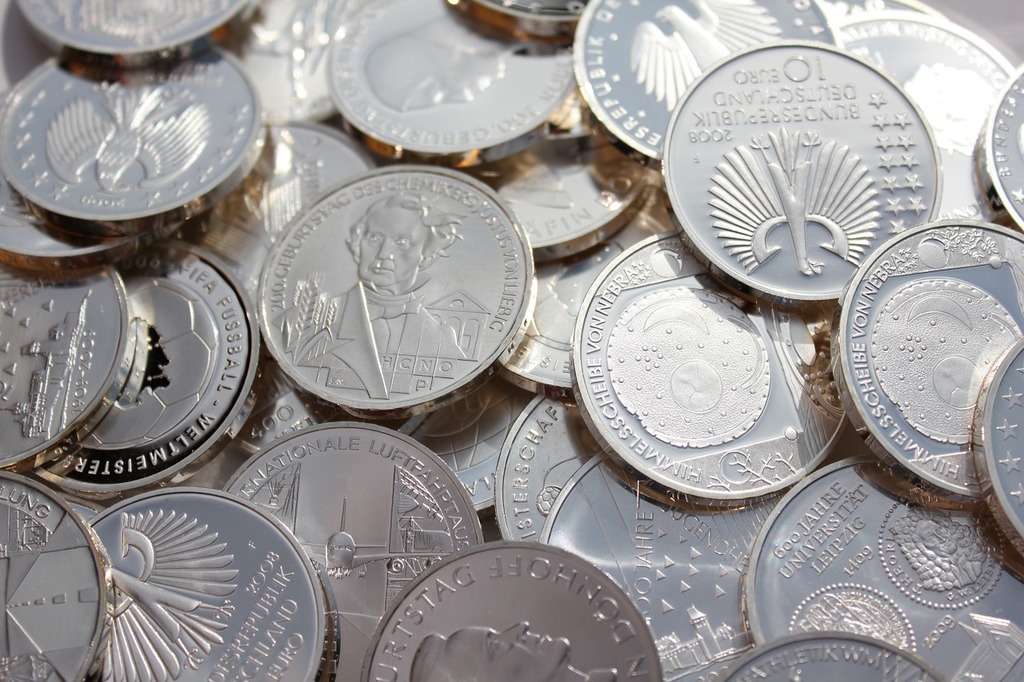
435	284
856	609
127	156
922	323
230	584
63	349
635	60
411	77
1002	152
812	157
56	588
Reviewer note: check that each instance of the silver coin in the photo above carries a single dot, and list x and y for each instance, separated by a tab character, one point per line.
924	320
65	347
396	510
994	447
285	54
188	385
513	611
930	57
207	587
299	162
541	363
697	393
680	564
435	284
523	19
842	552
809	139
838	11
133	32
467	435
115	158
415	82
546	446
567	200
1001	153
819	656
635	60
56	587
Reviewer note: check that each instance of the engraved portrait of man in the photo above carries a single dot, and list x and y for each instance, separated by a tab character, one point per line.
476	654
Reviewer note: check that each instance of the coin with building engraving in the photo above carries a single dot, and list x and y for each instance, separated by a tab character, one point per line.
1001	151
65	347
681	564
844	551
931	57
697	390
415	82
634	60
131	32
56	586
189	380
208	587
810	159
140	152
819	656
510	611
396	292
373	509
924	320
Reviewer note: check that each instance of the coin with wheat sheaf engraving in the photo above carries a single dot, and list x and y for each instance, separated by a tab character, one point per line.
208	587
634	60
414	82
396	292
699	391
140	152
373	509
924	320
845	552
65	348
1001	151
808	160
511	611
839	656
931	57
56	587
681	564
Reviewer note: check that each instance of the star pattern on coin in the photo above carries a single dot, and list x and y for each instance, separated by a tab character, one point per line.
877	100
881	121
902	120
895	206
917	205
887	162
1018	196
909	161
1019	494
905	142
1013	399
1011	463
897	226
891	183
913	182
1007	429
883	143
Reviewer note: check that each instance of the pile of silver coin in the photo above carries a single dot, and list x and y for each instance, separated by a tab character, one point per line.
511	340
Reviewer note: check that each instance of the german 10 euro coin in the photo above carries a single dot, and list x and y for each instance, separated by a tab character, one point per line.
923	322
788	165
397	290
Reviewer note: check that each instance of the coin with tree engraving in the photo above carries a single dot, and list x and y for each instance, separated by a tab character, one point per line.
139	152
924	320
807	159
397	291
372	508
56	587
634	60
208	587
1001	153
510	611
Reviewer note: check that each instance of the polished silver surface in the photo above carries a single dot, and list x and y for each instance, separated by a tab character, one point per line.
141	152
1001	153
680	564
372	508
838	11
524	19
189	381
505	612
634	60
207	587
435	283
922	323
932	58
65	347
416	83
819	656
841	552
56	586
704	394
807	159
